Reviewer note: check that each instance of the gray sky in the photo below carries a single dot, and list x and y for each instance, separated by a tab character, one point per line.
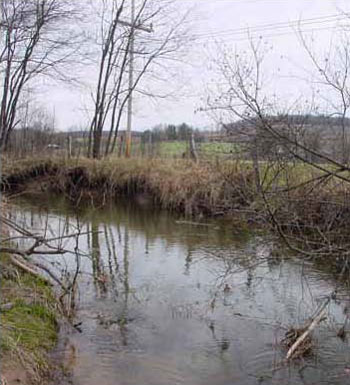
222	22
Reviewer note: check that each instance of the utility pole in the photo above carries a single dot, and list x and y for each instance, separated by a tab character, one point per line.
131	74
131	80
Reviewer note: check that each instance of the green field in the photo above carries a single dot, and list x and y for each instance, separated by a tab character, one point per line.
176	149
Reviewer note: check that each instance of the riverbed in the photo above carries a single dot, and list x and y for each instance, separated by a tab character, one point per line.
163	300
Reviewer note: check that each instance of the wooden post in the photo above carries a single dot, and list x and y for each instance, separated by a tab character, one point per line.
69	146
121	146
193	151
150	145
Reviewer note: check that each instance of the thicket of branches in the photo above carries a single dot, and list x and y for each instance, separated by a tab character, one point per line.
304	186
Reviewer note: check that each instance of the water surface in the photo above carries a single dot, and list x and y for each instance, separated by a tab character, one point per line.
163	301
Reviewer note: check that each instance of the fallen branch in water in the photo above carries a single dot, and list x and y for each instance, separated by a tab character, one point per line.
30	268
51	274
27	269
193	223
41	245
320	314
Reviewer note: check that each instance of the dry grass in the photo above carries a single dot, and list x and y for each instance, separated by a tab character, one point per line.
174	184
314	215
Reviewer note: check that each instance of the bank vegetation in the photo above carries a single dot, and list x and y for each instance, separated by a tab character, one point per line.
306	207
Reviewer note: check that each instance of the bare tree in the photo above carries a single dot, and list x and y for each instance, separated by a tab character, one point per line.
304	189
333	74
35	39
115	39
36	131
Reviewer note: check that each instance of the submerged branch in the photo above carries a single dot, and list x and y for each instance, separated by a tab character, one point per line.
316	320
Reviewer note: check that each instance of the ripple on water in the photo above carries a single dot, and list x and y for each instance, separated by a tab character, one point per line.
131	369
333	357
264	362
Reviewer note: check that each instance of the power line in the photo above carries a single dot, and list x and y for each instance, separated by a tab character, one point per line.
256	37
259	36
274	26
199	14
232	1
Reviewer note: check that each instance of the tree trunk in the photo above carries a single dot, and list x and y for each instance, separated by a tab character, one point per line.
96	148
193	152
255	159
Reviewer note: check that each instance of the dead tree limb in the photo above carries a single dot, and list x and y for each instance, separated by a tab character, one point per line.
27	269
315	321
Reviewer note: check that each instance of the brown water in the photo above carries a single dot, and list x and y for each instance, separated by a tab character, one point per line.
155	311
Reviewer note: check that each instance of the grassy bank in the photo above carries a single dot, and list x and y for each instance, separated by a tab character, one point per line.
177	185
28	326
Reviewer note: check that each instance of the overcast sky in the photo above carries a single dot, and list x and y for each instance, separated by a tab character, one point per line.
224	22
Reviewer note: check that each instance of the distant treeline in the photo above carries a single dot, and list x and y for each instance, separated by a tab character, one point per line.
164	132
322	121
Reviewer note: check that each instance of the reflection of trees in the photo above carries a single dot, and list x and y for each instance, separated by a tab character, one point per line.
146	244
97	263
119	232
124	317
126	265
114	276
151	222
113	264
188	260
250	276
222	343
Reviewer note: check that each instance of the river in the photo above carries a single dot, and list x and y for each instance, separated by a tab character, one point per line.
165	301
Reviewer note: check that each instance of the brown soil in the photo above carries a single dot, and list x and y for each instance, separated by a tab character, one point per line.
13	373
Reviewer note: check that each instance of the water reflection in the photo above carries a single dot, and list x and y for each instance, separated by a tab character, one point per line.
163	302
